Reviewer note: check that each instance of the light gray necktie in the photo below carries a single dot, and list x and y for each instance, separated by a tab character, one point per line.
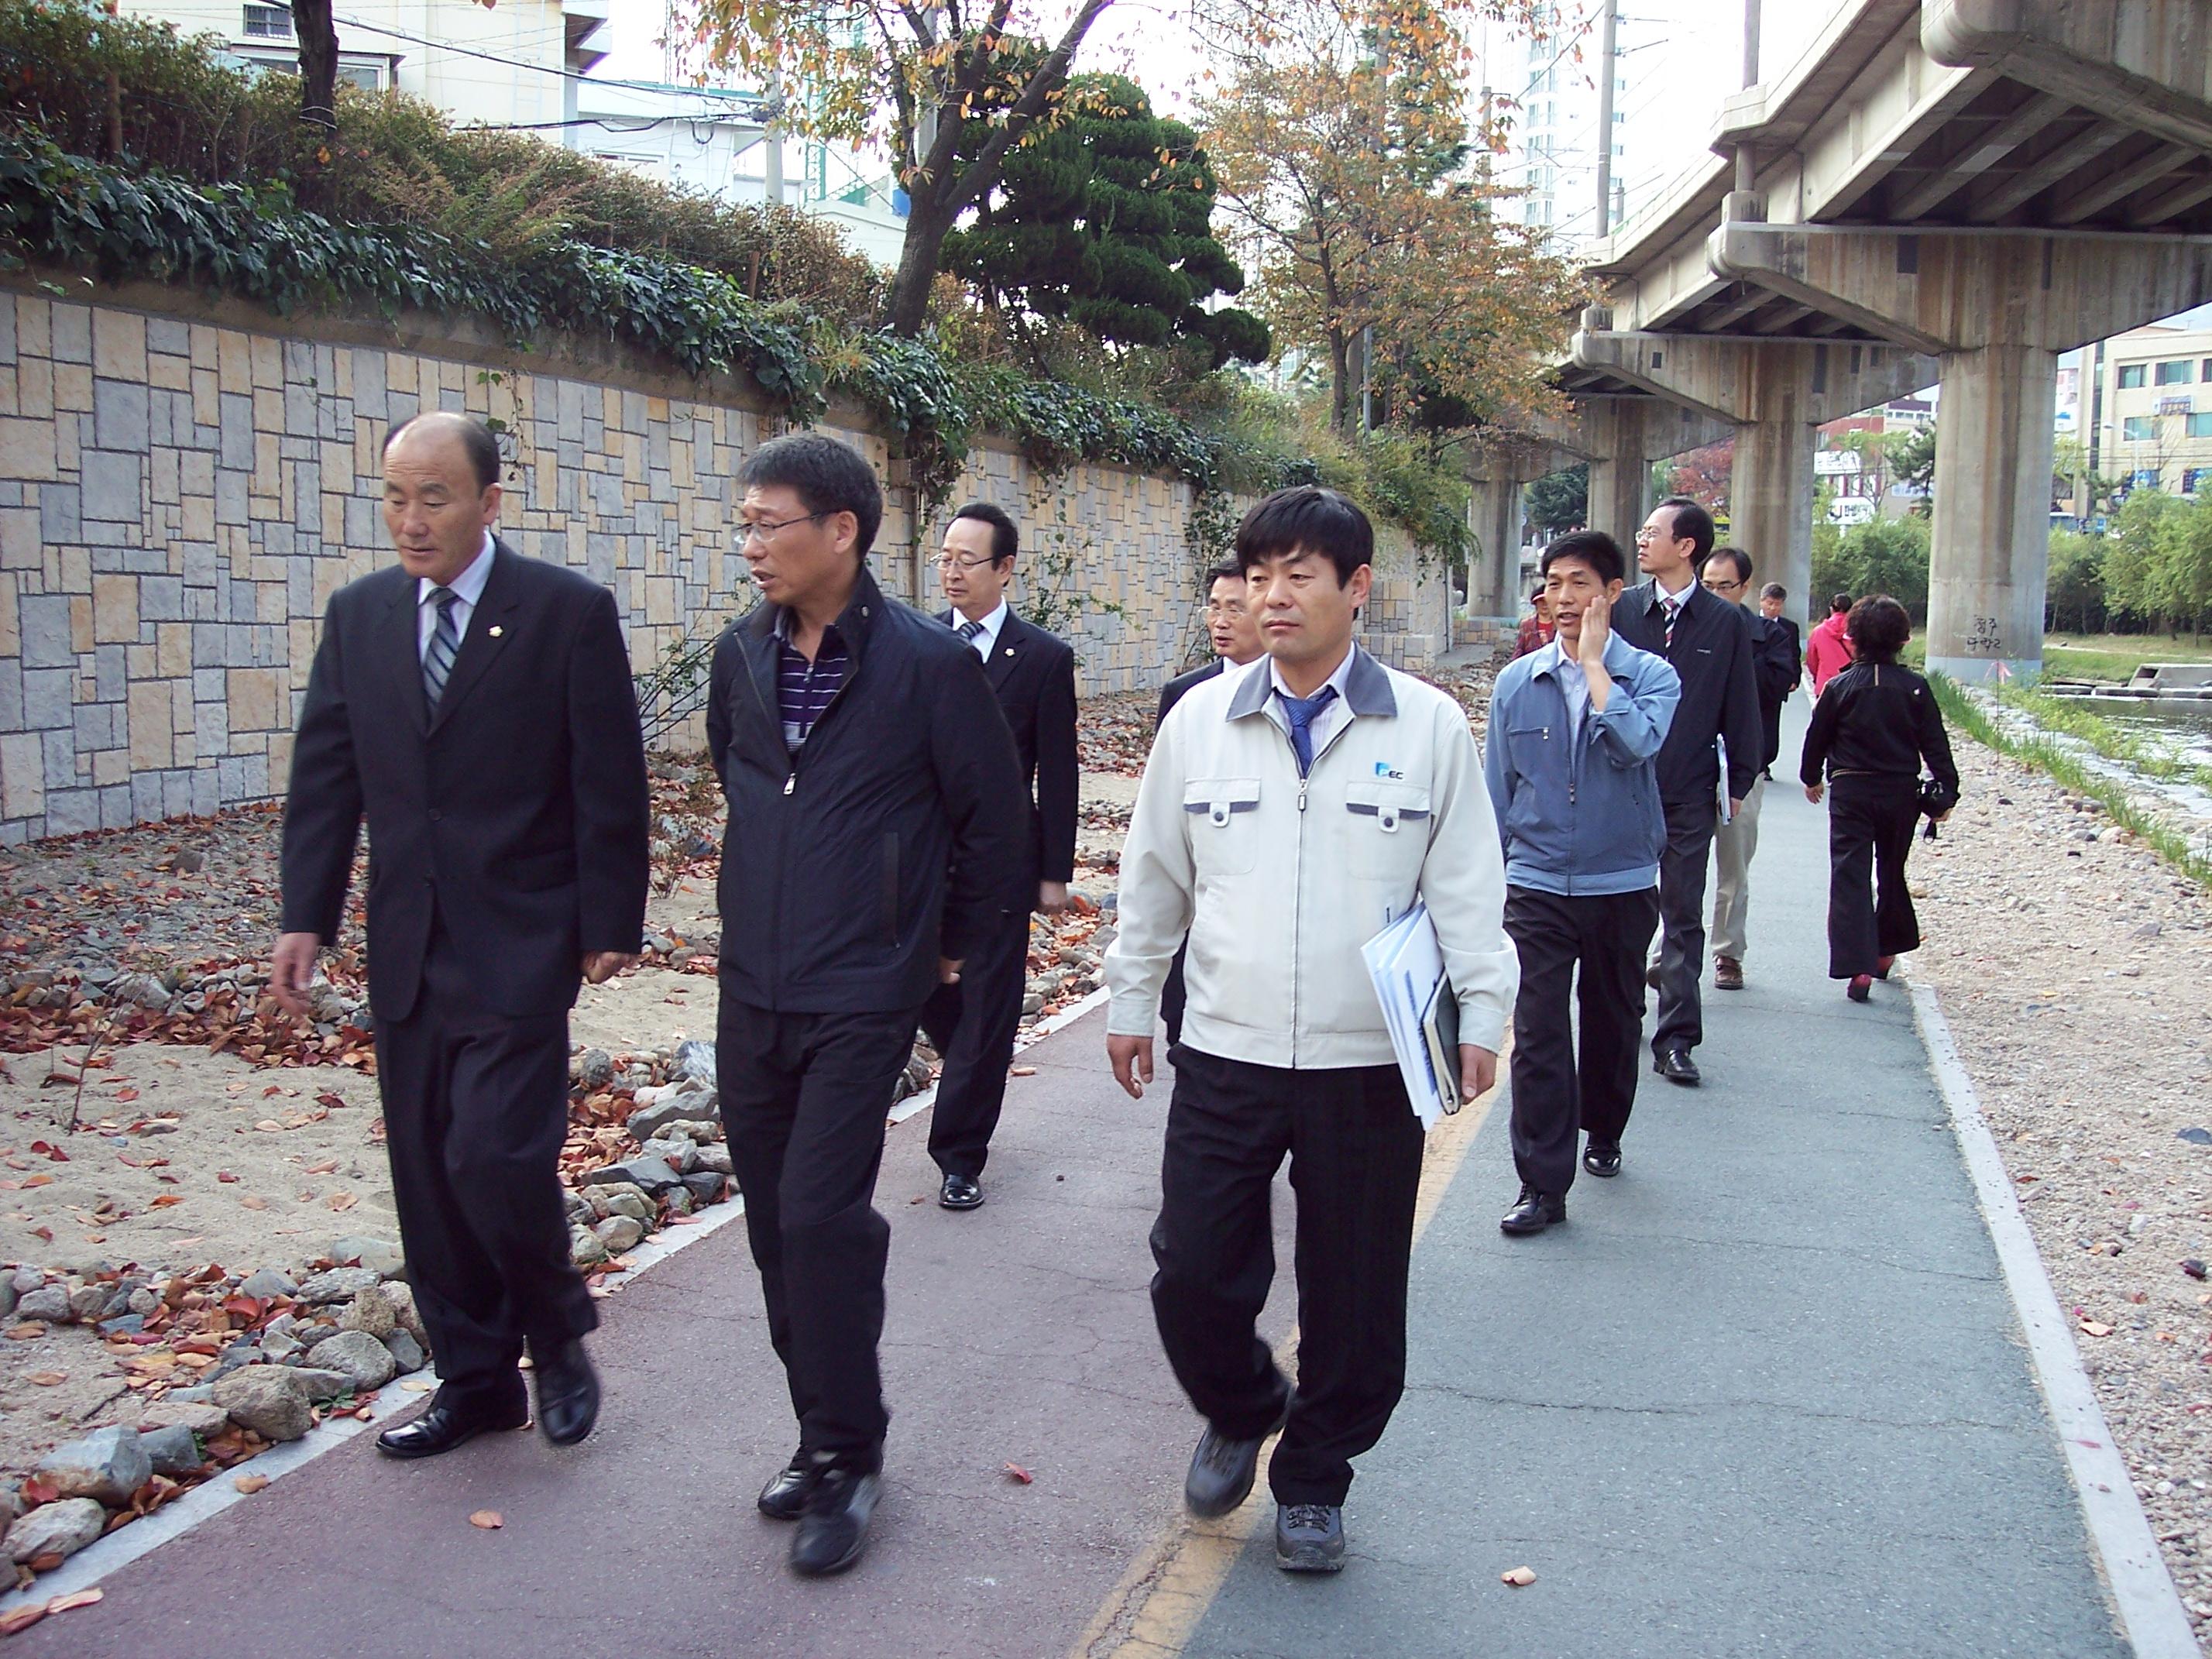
445	645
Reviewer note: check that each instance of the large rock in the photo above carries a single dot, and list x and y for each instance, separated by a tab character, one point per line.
338	1285
695	1061
267	1284
49	1304
374	1310
679	1155
649	1173
621	1198
584	1248
172	1450
363	1359
60	1528
401	1296
107	1465
706	1187
660	1108
595	1068
715	1158
322	1382
406	1353
619	1232
87	1303
270	1399
387	1258
142	990
202	1419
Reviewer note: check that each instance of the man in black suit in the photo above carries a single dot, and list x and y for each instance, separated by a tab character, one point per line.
475	707
1235	633
1708	640
875	811
971	1023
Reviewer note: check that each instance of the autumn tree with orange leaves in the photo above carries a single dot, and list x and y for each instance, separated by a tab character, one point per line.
1348	167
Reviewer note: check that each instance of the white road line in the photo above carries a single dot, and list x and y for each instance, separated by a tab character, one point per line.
96	1561
2158	1626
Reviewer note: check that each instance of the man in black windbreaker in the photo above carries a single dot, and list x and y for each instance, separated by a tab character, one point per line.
875	806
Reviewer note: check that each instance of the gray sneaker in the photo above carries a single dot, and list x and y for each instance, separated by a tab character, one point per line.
1309	1537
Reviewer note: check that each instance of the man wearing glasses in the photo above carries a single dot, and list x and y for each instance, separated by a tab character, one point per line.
874	808
971	1023
1774	663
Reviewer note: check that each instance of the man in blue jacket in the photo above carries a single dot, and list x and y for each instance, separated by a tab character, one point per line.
875	807
1575	729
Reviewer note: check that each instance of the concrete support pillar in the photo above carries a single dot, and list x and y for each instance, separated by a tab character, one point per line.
1992	511
1771	507
1493	514
1619	468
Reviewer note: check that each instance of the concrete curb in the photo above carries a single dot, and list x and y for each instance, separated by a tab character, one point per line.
202	1503
2158	1626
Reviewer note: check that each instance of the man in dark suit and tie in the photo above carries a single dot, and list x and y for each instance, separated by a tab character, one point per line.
972	1023
1234	632
475	707
1708	642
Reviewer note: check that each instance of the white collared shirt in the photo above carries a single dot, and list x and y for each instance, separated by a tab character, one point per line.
1675	602
467	587
983	641
1572	682
1326	723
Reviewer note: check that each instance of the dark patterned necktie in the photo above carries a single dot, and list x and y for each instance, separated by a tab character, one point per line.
968	630
444	646
1673	612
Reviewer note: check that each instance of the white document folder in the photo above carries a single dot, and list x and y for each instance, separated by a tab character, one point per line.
1406	964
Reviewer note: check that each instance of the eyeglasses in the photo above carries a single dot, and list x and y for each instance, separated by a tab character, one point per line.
946	561
1724	587
763	530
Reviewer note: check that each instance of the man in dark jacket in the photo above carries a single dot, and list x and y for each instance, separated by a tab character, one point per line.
972	1024
863	758
1777	669
475	707
1708	640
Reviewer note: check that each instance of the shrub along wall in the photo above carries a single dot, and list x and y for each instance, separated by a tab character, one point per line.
184	482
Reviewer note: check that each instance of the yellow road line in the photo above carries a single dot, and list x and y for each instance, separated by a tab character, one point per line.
1167	1589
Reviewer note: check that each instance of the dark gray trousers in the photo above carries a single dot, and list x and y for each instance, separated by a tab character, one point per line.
1682	925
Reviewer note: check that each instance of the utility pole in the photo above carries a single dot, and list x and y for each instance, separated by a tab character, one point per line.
1607	55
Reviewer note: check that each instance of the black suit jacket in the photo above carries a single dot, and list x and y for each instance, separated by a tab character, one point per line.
1172	692
1779	666
518	814
1033	673
1712	655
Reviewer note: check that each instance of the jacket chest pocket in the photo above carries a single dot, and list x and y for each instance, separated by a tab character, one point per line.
1389	828
1223	815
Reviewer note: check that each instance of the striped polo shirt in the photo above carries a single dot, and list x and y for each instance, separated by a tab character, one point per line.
803	689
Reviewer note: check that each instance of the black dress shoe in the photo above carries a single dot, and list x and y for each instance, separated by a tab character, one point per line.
784	1498
1222	1470
960	1191
1675	1065
1532	1212
568	1393
452	1419
1603	1158
832	1533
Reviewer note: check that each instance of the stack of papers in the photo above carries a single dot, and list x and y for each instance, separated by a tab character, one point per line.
1420	1010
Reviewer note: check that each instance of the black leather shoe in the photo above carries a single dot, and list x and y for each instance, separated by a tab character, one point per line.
784	1498
1676	1066
960	1191
453	1420
832	1533
568	1393
1532	1212
1222	1471
1603	1158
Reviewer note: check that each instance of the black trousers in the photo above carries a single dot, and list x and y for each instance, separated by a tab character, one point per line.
803	1103
475	1107
1870	825
1682	925
1174	996
972	1026
1355	1152
1606	935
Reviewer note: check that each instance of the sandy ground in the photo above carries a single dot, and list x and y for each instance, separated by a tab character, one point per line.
2073	972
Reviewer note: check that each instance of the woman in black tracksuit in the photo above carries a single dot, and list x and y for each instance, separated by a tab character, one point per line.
1873	729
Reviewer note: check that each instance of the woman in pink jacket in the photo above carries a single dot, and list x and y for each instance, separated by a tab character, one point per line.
1828	647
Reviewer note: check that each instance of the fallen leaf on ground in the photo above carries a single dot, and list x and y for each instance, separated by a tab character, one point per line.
1016	1471
166	1200
47	1379
1520	1577
343	1201
418	1385
324	1168
251	1484
2095	1327
490	1520
250	1202
1023	1070
25	1332
74	1599
21	1619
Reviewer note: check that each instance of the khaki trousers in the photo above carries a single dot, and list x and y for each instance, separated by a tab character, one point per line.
1734	843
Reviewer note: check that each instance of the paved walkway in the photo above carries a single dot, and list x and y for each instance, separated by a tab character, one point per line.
1763	1394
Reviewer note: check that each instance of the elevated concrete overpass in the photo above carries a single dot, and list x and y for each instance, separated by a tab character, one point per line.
1951	191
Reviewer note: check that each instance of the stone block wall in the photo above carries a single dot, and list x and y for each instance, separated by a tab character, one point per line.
183	484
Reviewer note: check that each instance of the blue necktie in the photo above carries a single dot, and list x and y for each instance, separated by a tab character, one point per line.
968	630
444	646
1303	712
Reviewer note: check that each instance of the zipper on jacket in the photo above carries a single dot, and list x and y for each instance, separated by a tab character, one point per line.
1298	881
791	782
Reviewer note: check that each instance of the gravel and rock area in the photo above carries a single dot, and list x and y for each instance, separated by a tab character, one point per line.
2072	964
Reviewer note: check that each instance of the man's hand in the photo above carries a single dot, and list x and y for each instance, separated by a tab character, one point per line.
1590	650
1735	804
1477	1071
1815	790
1131	1059
948	971
600	966
1052	897
292	970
